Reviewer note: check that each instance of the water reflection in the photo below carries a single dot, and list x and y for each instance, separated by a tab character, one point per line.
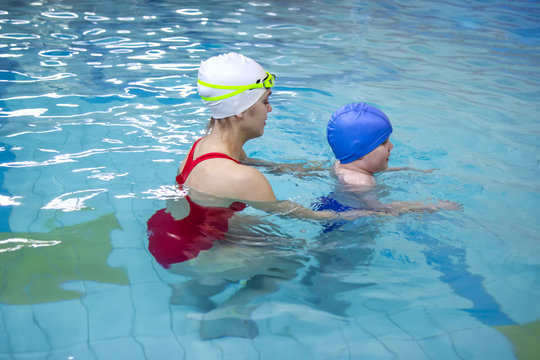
335	262
227	282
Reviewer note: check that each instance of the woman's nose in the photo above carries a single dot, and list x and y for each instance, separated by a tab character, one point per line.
268	108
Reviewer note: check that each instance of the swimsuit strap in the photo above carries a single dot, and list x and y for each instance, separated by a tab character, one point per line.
190	163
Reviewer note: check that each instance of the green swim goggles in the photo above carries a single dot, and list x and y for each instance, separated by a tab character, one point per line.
267	83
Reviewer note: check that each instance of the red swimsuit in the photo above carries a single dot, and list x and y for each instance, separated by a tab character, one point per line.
173	241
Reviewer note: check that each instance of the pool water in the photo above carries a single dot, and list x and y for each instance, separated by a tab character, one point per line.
98	106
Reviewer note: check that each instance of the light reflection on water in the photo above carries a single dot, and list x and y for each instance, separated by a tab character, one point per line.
98	105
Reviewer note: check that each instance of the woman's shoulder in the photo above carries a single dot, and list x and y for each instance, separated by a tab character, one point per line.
249	183
228	179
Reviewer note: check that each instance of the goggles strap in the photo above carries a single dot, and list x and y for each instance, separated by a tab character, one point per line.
221	97
266	83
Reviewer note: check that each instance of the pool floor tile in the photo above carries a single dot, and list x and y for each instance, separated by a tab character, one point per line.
64	323
162	347
115	347
74	352
25	335
109	319
482	342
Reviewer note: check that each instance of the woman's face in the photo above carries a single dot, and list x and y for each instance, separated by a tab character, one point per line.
256	115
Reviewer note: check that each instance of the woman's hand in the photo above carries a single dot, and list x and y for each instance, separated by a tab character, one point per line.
403	207
409	169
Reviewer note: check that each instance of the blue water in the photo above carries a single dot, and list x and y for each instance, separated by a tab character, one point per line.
98	106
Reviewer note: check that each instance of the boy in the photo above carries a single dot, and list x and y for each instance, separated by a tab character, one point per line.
359	136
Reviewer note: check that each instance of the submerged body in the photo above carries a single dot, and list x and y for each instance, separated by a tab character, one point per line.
176	240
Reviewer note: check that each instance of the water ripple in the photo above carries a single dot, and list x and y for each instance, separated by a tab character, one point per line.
103	41
9	200
292	27
131	45
60	15
72	158
189	12
57	53
64	36
170	83
19	36
14	21
96	18
52	63
94	32
73	201
176	39
18	77
23	112
14	244
259	4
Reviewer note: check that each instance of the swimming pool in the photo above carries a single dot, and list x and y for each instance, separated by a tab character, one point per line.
98	105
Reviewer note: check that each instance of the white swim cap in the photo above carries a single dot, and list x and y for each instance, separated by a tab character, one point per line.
231	83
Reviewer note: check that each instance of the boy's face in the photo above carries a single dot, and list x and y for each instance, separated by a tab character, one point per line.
377	160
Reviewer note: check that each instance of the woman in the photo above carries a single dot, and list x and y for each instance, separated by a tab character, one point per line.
218	182
215	174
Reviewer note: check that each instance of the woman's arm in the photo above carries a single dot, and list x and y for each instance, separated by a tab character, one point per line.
374	207
280	168
367	199
300	169
397	208
291	209
409	168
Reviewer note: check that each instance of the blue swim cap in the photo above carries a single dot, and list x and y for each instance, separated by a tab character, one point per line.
355	130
